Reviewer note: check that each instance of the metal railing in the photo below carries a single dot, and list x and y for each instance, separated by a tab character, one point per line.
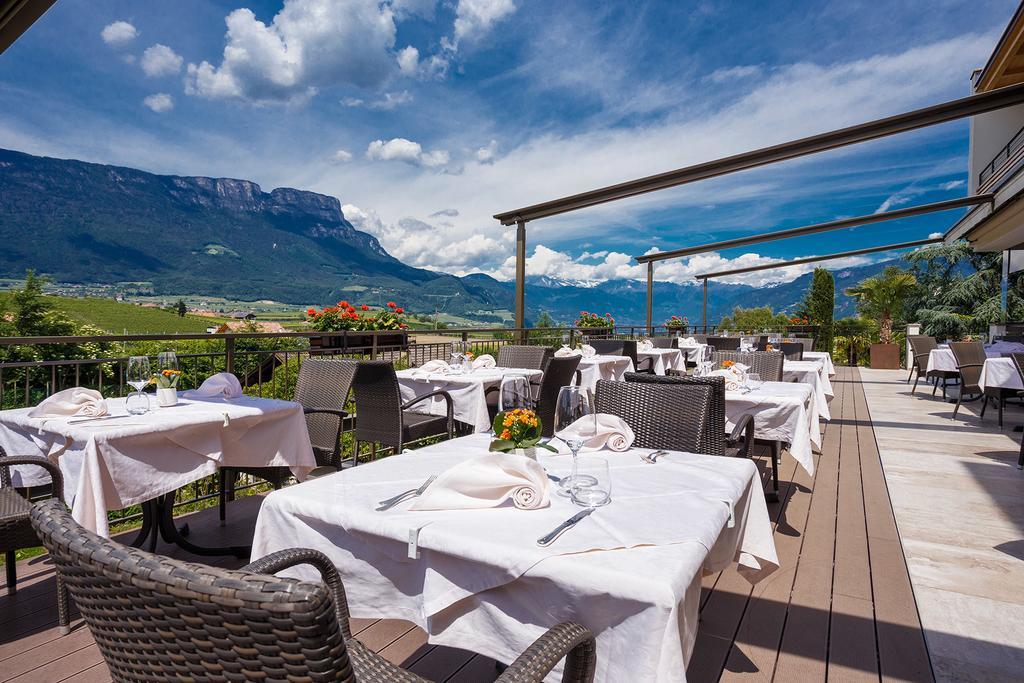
1009	155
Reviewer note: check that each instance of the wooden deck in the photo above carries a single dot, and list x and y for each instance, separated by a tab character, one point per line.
840	607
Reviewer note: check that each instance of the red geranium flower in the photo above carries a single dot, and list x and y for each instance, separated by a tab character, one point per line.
365	307
343	304
391	304
399	310
311	311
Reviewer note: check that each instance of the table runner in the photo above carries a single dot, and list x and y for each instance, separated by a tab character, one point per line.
471	589
468	392
783	411
664	360
603	367
115	462
811	372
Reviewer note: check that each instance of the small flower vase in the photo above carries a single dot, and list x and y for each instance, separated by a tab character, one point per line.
166	397
530	452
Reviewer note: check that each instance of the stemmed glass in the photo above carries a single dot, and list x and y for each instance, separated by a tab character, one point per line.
167	360
574	403
457	357
514	393
138	375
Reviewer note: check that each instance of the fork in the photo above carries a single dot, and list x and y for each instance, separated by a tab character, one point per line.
652	458
411	493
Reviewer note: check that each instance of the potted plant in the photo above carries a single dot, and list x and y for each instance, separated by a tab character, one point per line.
677	324
345	317
518	431
880	298
594	325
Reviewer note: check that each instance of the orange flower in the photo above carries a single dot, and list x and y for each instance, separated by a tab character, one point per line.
728	363
506	435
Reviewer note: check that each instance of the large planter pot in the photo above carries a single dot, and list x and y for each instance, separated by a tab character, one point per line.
358	342
595	332
885	356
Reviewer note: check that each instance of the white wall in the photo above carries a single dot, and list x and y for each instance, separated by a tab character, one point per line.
989	133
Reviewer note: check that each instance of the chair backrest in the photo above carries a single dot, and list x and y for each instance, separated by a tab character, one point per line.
558	373
1018	362
324	383
670	416
699	338
521	356
792	350
378	403
713	442
767	364
724	343
616	347
920	346
663	342
159	619
806	341
970	359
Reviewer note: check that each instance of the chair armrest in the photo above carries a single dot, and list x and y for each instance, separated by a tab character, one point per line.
649	364
341	414
577	377
283	559
567	640
743	431
970	365
56	478
448	404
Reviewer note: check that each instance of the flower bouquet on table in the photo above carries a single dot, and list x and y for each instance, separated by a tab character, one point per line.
166	382
518	431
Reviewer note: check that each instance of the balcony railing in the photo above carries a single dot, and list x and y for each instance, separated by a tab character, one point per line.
1004	159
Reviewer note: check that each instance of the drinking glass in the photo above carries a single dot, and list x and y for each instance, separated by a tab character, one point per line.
514	393
138	375
167	360
457	363
574	403
747	343
592	468
754	381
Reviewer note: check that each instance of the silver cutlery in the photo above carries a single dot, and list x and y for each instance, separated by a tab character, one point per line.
405	495
567	524
92	419
652	458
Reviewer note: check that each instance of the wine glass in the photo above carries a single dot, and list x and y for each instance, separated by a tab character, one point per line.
573	404
167	360
514	393
138	375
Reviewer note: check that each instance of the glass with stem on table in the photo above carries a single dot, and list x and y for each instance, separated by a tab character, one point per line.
572	405
138	375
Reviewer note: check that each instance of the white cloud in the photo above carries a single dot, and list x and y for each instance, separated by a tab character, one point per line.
935	235
160	60
434	67
450	213
159	102
400	149
342	156
389	101
735	73
309	44
953	184
475	18
488	154
895	199
409	60
118	33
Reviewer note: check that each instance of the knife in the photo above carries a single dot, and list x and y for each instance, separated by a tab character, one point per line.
571	522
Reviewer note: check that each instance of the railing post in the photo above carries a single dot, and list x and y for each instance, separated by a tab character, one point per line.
650	298
373	345
520	303
229	354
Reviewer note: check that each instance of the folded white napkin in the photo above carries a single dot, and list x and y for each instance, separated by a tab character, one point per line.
735	376
487	481
566	352
484	362
610	432
588	351
221	385
644	345
73	401
688	341
432	366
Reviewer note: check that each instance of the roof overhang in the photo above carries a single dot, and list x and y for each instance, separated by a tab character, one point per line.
1006	64
997	225
16	16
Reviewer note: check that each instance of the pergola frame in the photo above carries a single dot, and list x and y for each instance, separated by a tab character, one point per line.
919	118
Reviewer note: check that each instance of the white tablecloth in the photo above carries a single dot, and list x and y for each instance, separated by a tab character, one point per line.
1000	372
481	583
826	359
663	360
115	462
942	358
811	372
693	353
468	392
783	411
603	367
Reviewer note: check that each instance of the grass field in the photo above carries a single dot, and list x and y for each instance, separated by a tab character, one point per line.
117	318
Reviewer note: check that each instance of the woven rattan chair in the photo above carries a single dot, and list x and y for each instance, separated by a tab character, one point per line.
1018	362
767	364
558	373
921	347
970	359
16	532
623	347
807	342
670	416
715	441
663	342
158	619
699	338
322	390
724	343
526	357
384	419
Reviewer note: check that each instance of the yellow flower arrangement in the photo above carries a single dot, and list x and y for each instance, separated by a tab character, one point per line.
728	363
166	379
519	428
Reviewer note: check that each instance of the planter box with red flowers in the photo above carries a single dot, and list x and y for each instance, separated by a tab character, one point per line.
356	322
677	324
594	325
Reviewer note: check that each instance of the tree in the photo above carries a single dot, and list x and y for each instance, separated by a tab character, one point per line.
181	308
544	320
819	305
753	320
30	308
882	297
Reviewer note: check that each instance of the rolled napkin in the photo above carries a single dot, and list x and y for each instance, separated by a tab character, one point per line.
610	432
566	352
588	351
732	380
432	366
221	385
644	345
487	481
688	341
73	401
484	362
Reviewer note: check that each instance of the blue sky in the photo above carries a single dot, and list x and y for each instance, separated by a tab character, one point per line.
425	118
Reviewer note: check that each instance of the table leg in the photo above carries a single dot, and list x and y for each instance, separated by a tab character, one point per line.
164	517
773	495
147	526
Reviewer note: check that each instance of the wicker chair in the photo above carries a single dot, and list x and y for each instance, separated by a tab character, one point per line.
724	343
663	342
16	530
715	441
792	350
525	357
699	338
623	347
384	419
322	390
807	342
670	416
560	372
921	347
1018	362
970	359
767	364
157	619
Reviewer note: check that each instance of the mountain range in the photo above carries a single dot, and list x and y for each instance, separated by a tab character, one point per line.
87	223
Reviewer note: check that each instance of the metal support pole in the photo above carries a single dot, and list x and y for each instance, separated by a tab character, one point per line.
1004	285
650	298
521	278
704	316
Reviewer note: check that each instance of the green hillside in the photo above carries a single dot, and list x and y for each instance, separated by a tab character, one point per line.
117	318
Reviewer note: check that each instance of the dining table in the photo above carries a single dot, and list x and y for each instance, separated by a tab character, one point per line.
824	357
1001	373
469	391
479	580
662	360
784	413
600	366
119	459
813	373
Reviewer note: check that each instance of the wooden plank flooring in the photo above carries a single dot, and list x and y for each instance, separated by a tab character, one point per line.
840	607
